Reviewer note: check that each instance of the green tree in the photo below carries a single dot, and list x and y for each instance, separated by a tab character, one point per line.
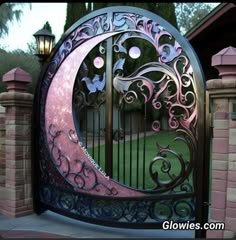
32	48
77	10
189	13
99	5
23	60
167	11
74	12
8	13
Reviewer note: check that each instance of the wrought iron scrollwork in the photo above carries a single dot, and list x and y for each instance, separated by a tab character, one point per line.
83	176
173	89
119	211
174	180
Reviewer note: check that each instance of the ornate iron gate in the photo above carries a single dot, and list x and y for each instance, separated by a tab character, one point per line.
120	123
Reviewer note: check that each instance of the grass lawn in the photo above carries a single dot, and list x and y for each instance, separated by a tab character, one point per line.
131	159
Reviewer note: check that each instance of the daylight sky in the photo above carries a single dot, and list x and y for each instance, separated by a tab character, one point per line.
21	33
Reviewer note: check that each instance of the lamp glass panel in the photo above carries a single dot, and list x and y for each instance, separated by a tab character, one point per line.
41	45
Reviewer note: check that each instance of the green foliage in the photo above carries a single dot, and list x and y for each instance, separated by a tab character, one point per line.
190	13
74	12
20	59
9	12
136	105
163	138
32	48
99	5
167	11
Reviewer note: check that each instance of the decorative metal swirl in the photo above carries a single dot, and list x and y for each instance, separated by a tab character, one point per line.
82	100
174	180
141	26
184	209
181	104
147	29
138	212
85	177
174	90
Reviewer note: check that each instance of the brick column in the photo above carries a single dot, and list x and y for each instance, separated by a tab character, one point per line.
18	107
223	92
2	147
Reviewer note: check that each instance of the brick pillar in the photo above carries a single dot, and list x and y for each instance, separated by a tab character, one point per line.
2	147
223	92
18	107
2	155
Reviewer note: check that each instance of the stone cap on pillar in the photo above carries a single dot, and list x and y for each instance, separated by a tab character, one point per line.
226	56
225	62
17	80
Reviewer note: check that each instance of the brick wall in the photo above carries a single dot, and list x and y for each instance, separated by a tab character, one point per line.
223	92
2	147
15	137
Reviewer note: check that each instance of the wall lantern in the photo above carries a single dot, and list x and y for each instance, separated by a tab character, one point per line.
44	40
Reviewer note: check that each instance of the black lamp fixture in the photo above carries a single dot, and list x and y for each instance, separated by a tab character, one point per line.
44	40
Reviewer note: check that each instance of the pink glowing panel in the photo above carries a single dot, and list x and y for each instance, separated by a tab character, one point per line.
134	52
98	62
58	111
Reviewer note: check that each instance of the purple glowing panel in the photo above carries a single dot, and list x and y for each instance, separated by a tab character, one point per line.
134	52
72	160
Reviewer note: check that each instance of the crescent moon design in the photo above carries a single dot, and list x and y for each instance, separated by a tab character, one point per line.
58	112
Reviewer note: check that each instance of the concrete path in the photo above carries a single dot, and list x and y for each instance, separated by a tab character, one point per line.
52	225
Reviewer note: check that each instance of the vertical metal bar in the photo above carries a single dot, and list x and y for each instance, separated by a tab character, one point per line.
130	153
203	202
124	143
86	128
144	145
99	123
109	107
137	170
118	147
93	135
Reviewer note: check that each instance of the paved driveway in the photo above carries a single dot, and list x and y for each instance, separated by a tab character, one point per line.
51	225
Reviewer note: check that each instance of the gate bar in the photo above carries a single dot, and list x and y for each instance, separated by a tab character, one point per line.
203	192
109	108
124	140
